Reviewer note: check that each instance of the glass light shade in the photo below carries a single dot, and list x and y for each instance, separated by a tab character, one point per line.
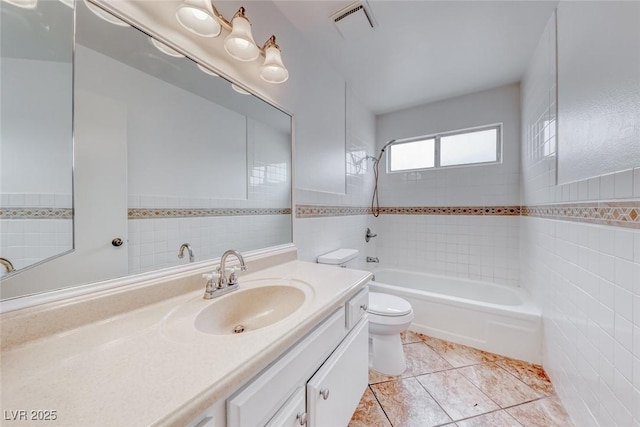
197	17
102	14
25	4
240	44
273	70
165	49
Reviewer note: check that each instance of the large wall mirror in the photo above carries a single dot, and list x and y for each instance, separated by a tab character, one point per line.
166	153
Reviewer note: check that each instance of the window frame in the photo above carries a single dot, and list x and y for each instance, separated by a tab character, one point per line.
436	145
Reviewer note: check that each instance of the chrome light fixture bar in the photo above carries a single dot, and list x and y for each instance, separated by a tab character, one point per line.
202	18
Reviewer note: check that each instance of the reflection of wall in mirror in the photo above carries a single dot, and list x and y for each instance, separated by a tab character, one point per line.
187	167
36	161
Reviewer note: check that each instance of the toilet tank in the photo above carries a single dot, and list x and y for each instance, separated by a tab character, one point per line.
339	257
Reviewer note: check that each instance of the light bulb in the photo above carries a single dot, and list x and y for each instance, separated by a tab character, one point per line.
239	43
197	16
273	70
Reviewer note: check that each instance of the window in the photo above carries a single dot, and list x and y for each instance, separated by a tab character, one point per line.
412	155
457	148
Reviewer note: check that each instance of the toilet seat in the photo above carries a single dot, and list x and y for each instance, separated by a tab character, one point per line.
387	305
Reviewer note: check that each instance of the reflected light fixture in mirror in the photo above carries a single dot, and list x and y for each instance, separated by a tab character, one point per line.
239	89
196	16
105	15
206	70
25	4
165	49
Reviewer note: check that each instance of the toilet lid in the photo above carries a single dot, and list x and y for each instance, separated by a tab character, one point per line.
387	305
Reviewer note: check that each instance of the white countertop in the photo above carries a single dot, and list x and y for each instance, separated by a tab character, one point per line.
150	366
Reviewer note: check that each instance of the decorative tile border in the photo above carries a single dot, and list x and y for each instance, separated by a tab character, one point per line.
452	210
620	214
316	211
36	213
198	213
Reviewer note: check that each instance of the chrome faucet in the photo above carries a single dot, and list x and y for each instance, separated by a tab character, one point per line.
217	282
7	265
188	248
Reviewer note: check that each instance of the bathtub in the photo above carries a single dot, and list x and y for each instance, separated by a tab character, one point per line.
496	318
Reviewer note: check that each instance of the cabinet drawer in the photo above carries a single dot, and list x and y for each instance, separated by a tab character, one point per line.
292	413
334	392
357	307
259	401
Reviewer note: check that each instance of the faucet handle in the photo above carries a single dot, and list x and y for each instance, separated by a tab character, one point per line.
233	277
212	280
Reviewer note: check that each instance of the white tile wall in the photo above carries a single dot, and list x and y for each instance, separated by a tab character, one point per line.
27	241
316	236
586	279
36	200
154	243
475	247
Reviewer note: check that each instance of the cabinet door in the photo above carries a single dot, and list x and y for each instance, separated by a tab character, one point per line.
292	413
260	399
334	392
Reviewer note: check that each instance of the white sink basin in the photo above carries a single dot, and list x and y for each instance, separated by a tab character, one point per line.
249	309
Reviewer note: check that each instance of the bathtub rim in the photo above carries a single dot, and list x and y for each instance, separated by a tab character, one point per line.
527	310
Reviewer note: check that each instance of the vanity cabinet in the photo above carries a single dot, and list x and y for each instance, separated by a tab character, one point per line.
317	382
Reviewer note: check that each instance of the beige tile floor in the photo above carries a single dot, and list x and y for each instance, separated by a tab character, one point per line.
448	384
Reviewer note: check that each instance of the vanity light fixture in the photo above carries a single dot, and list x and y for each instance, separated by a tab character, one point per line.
201	17
198	17
239	43
273	70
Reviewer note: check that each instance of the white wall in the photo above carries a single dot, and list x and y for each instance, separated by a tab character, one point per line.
586	277
599	103
315	236
469	246
484	185
174	137
36	127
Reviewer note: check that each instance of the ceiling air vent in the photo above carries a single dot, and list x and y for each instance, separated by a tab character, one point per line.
355	20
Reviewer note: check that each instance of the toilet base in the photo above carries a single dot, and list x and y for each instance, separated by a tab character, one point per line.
386	354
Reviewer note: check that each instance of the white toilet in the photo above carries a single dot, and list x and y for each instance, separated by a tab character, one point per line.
389	315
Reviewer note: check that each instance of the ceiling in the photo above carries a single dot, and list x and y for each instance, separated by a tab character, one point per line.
423	51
